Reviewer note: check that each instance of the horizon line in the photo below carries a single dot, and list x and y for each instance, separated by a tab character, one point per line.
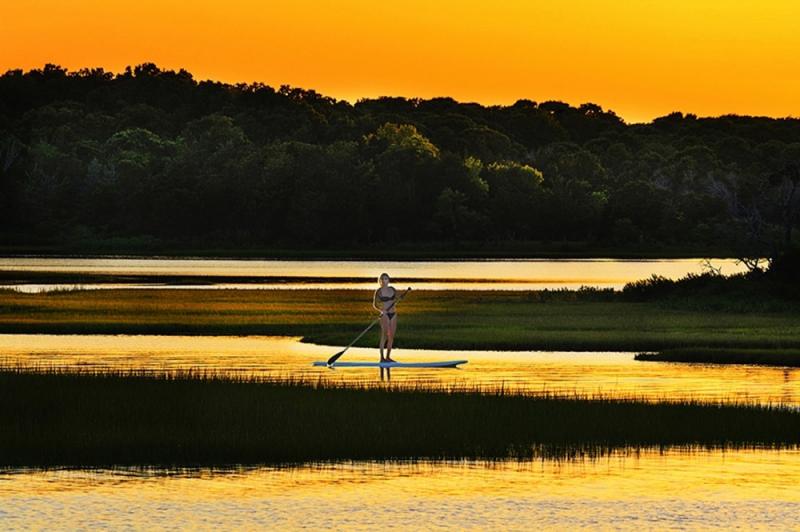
354	100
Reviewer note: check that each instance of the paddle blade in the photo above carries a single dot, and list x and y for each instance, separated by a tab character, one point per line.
335	357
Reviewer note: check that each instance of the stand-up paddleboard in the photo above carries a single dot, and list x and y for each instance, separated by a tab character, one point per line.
444	364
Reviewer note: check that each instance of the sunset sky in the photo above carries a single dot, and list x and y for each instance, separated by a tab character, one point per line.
640	58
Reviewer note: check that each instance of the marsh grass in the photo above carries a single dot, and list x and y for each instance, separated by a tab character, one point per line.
760	357
545	320
55	417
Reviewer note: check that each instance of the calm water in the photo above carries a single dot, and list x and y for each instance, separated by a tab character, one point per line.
527	274
752	490
614	374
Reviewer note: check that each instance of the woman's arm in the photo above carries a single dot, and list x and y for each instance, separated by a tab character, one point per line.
375	300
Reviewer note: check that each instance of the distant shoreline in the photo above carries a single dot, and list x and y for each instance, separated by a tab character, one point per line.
789	358
378	252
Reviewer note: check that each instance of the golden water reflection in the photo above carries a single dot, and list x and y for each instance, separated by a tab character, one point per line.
611	374
506	274
676	489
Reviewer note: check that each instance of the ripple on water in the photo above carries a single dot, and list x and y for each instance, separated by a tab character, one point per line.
483	274
608	374
679	488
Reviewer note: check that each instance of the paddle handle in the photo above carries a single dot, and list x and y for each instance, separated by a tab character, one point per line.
370	326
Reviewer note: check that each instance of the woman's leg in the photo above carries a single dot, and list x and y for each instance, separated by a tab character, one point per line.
384	327
390	330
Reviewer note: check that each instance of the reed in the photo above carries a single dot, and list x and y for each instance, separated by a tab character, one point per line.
53	417
546	320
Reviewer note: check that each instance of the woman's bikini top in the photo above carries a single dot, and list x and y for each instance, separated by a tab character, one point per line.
387	298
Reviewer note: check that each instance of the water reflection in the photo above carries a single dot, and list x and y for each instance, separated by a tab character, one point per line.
677	489
33	288
611	374
506	274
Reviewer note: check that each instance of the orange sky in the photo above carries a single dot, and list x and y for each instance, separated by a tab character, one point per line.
641	58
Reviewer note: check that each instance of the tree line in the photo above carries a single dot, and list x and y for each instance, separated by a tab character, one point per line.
155	155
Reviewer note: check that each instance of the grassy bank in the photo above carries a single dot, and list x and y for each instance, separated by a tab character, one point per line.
760	357
61	418
427	319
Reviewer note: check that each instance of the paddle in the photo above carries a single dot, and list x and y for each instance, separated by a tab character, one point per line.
338	355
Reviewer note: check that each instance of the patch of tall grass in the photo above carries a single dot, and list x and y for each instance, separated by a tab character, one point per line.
85	418
554	320
760	357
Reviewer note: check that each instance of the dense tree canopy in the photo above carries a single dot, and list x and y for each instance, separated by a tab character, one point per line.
154	154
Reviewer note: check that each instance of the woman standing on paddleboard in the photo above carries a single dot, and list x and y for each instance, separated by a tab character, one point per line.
386	296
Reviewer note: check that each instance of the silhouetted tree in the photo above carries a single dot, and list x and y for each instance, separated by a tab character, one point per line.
151	154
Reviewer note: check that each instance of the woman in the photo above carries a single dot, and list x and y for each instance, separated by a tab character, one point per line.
387	297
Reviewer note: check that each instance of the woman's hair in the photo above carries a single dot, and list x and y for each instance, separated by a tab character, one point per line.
381	276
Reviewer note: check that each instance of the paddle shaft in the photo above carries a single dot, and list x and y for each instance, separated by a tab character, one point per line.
336	357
